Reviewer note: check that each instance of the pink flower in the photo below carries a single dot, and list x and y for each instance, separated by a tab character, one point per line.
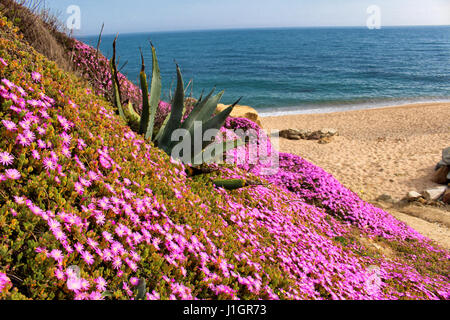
57	255
88	258
134	281
22	140
36	76
117	263
13	174
49	164
101	284
9	125
79	188
73	283
6	159
5	282
19	200
35	154
95	296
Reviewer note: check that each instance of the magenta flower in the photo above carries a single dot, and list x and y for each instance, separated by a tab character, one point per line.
36	76
35	154
134	281
57	255
9	125
6	159
101	284
19	200
13	174
88	258
22	140
5	282
79	188
49	164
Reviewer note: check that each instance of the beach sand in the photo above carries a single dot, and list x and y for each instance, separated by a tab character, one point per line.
383	151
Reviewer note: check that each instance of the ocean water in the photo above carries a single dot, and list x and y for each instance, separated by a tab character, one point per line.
301	70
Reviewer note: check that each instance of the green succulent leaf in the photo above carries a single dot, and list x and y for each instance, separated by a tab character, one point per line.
209	153
176	114
145	116
230	184
202	110
155	94
115	81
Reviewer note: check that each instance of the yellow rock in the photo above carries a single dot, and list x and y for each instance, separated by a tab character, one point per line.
242	112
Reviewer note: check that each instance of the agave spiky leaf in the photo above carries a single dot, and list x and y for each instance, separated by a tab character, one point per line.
202	110
145	115
215	150
133	119
176	114
115	81
230	184
149	106
155	93
161	130
216	122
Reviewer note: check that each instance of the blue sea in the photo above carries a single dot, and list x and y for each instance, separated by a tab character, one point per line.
299	70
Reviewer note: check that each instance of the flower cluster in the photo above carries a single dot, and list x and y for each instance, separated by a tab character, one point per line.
5	283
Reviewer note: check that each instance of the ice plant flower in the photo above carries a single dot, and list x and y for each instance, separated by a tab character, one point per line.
6	159
9	125
36	76
13	174
5	282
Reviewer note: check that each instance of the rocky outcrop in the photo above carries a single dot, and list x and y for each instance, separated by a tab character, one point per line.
440	175
323	135
413	196
434	193
446	197
242	112
442	170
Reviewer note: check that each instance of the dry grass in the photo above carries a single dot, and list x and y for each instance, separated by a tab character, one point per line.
40	28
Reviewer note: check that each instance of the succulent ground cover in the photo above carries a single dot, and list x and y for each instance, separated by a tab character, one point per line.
80	191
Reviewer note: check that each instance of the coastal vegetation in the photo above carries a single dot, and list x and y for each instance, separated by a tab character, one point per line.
92	206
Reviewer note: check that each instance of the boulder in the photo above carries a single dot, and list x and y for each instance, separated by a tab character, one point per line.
328	132
440	176
446	198
291	134
242	112
413	195
434	193
325	140
323	135
316	135
446	156
445	159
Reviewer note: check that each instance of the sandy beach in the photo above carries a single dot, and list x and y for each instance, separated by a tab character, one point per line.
384	151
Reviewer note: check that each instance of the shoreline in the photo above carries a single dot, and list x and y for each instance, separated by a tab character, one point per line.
389	150
380	152
357	107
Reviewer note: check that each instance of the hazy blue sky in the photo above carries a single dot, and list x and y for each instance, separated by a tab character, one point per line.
165	15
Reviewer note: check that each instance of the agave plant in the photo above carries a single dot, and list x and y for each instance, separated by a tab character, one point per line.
202	114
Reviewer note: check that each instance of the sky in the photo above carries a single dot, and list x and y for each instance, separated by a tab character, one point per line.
173	15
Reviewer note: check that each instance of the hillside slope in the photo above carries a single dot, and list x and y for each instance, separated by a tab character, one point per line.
80	191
